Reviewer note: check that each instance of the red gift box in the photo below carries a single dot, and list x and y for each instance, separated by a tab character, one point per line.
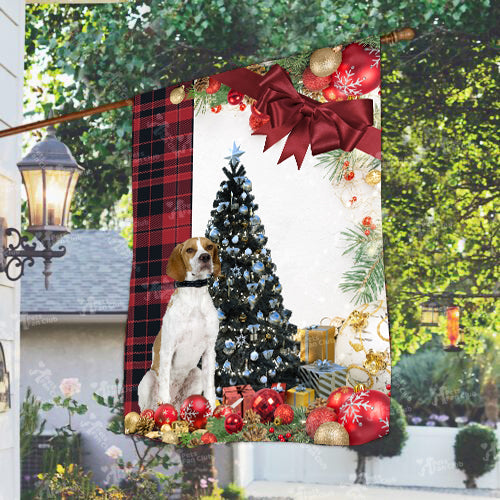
232	394
279	387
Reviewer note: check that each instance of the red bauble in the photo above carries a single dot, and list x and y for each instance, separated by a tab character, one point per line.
349	176
313	82
359	72
213	86
243	106
234	97
257	121
317	417
367	232
365	416
165	414
222	411
332	93
208	438
233	423
338	397
367	221
285	413
148	414
265	402
195	411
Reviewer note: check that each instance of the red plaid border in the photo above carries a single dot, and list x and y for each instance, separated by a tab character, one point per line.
162	173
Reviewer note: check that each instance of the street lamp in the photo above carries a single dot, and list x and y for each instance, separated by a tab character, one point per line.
50	173
429	314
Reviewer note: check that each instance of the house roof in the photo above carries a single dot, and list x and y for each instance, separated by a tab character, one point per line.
92	278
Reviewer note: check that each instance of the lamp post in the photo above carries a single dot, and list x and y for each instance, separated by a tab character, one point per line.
429	315
50	173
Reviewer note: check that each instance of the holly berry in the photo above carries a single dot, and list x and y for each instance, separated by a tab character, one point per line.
216	109
349	176
354	198
234	97
280	437
288	435
389	393
346	163
271	430
388	387
243	106
367	221
213	86
367	232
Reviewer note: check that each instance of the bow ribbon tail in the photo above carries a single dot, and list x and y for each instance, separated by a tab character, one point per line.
297	142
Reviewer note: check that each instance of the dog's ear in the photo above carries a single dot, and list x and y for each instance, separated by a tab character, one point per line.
175	265
216	262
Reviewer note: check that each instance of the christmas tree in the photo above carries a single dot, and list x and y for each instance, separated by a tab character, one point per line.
255	344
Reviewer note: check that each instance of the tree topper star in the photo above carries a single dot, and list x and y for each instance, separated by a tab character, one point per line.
234	154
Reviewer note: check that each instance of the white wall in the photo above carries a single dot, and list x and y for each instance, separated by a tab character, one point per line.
11	88
427	460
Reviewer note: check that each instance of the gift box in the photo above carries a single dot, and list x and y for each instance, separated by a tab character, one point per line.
279	387
323	376
299	396
232	394
317	342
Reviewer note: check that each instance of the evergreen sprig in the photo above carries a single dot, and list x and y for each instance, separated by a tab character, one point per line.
371	41
204	102
366	278
295	65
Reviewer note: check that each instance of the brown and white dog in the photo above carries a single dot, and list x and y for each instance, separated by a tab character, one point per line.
188	333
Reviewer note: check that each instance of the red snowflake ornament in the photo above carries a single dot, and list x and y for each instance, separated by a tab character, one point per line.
359	72
365	416
195	411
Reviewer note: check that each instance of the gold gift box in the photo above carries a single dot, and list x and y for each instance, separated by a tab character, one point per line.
317	342
299	396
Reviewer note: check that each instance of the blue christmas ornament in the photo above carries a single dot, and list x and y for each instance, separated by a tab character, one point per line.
262	281
246	275
263	251
229	344
236	251
216	365
232	381
227	223
278	287
261	238
252	287
225	242
274	318
258	267
278	360
260	315
255	219
215	284
243	209
226	365
263	379
254	355
246	373
272	373
235	239
268	354
273	302
247	184
248	251
252	299
220	314
243	196
214	233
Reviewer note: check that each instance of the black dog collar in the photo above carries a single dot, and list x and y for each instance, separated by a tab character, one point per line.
192	284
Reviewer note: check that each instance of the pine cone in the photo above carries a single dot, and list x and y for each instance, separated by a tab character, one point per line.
257	68
195	442
255	433
201	84
317	96
318	402
251	417
144	425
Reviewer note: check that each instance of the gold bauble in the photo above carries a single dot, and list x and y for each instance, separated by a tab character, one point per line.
177	95
180	427
131	420
242	317
199	432
375	362
153	435
359	388
373	178
165	428
169	437
325	61
332	434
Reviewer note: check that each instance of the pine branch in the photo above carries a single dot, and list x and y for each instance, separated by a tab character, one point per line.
204	102
371	41
295	65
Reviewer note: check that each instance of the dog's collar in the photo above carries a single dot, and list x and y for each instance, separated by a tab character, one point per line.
193	284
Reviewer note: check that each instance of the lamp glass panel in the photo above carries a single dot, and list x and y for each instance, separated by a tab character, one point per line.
34	191
71	191
55	194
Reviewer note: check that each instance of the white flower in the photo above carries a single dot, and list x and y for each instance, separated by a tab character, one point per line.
70	387
114	452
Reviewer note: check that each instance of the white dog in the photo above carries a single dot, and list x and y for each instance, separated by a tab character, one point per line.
189	331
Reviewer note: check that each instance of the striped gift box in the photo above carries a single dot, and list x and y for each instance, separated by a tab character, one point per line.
323	376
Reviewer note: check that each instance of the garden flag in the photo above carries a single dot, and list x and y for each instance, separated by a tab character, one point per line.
257	297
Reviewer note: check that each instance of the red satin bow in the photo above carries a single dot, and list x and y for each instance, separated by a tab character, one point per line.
324	126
